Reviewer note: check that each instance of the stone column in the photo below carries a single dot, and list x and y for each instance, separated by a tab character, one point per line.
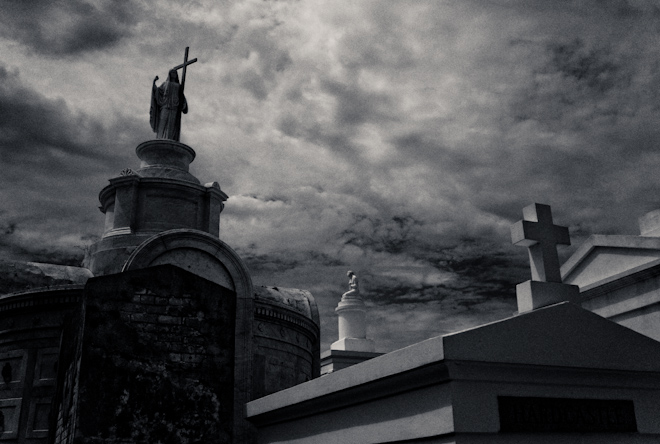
352	312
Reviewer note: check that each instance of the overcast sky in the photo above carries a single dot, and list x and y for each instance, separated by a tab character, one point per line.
396	139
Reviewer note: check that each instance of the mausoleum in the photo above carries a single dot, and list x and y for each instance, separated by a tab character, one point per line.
618	276
168	304
161	337
553	373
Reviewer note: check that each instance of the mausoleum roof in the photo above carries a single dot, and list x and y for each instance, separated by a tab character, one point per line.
20	276
604	257
293	299
560	336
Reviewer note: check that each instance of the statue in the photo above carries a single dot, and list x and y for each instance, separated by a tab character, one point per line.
354	288
168	102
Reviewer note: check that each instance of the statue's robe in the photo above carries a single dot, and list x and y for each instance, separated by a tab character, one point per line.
167	104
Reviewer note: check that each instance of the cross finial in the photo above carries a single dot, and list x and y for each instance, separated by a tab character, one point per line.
184	65
538	233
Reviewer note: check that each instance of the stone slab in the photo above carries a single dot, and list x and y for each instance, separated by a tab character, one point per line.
333	360
354	344
534	294
418	355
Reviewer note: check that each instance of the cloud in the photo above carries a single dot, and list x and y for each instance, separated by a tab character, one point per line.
398	140
34	126
55	162
60	28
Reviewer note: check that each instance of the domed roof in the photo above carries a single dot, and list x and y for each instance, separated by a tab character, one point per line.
300	301
18	276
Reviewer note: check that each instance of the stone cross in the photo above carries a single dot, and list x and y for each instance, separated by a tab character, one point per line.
538	233
184	65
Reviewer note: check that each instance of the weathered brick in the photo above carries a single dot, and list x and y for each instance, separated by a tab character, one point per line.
194	349
164	319
158	309
147	299
192	357
146	327
158	300
174	310
192	323
144	317
194	337
130	307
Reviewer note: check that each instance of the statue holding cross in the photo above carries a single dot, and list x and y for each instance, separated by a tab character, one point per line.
168	102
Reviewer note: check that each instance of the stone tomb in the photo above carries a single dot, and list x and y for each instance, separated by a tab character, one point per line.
553	375
152	360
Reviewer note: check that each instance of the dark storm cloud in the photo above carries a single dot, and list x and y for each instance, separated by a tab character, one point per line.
32	124
420	146
67	27
476	269
45	134
355	106
594	67
56	161
352	107
398	140
392	236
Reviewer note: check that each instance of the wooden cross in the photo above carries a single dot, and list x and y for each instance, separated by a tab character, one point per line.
538	233
184	65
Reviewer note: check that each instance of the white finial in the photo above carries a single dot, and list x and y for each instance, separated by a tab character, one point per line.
351	313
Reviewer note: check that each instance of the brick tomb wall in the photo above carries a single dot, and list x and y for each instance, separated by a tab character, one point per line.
156	360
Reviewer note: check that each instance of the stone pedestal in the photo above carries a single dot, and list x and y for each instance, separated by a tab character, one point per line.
161	195
352	327
535	294
165	159
334	360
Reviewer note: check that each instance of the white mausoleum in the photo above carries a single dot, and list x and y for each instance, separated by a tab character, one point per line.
560	371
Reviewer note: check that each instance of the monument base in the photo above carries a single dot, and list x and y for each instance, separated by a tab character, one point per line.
333	360
535	294
354	344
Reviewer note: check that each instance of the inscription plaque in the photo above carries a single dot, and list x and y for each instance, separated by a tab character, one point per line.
552	415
